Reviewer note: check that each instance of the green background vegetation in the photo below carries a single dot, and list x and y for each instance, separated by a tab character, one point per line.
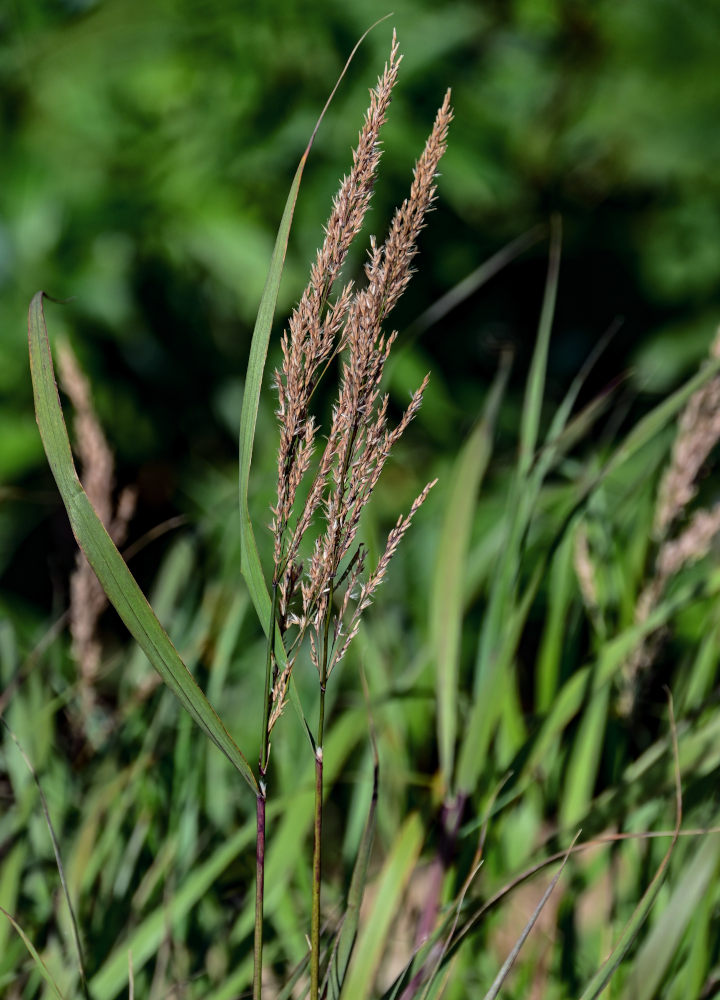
147	149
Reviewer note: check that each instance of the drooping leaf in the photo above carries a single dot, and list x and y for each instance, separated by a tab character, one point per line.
116	579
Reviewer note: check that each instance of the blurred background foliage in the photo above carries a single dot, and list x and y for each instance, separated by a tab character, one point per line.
147	150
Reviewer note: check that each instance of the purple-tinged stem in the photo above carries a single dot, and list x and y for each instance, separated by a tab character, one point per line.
450	819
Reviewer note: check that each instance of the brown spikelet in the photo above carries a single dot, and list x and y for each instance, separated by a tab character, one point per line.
698	433
584	568
317	594
87	598
314	326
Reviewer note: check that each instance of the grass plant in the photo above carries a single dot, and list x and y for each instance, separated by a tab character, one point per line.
502	704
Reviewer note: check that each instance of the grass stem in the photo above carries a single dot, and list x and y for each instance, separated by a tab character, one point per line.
261	801
317	837
317	872
270	650
259	893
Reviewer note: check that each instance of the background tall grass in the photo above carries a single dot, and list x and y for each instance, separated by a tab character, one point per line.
124	191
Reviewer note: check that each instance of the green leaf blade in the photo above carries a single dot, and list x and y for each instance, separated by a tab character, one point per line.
446	607
112	572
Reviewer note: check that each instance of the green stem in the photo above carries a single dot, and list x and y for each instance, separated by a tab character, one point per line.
270	647
259	894
260	805
317	873
317	834
317	838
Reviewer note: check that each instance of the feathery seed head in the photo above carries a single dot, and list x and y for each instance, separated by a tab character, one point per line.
698	433
359	439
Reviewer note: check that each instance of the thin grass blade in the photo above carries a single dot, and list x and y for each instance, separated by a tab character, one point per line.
11	871
588	680
653	959
250	560
693	972
58	860
530	427
392	881
41	967
650	425
550	655
562	414
564	433
491	690
493	646
460	292
112	572
446	605
347	935
147	937
515	950
442	950
585	757
602	977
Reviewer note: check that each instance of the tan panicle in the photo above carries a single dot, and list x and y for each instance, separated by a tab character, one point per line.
359	440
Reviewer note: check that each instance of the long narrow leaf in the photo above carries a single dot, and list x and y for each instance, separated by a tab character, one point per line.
536	378
446	606
470	284
112	572
589	679
602	977
41	967
515	950
585	757
550	654
502	605
558	440
145	939
391	885
491	692
58	858
652	961
651	424
347	935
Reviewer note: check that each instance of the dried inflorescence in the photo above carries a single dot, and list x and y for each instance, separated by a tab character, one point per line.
698	434
586	572
87	598
310	598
